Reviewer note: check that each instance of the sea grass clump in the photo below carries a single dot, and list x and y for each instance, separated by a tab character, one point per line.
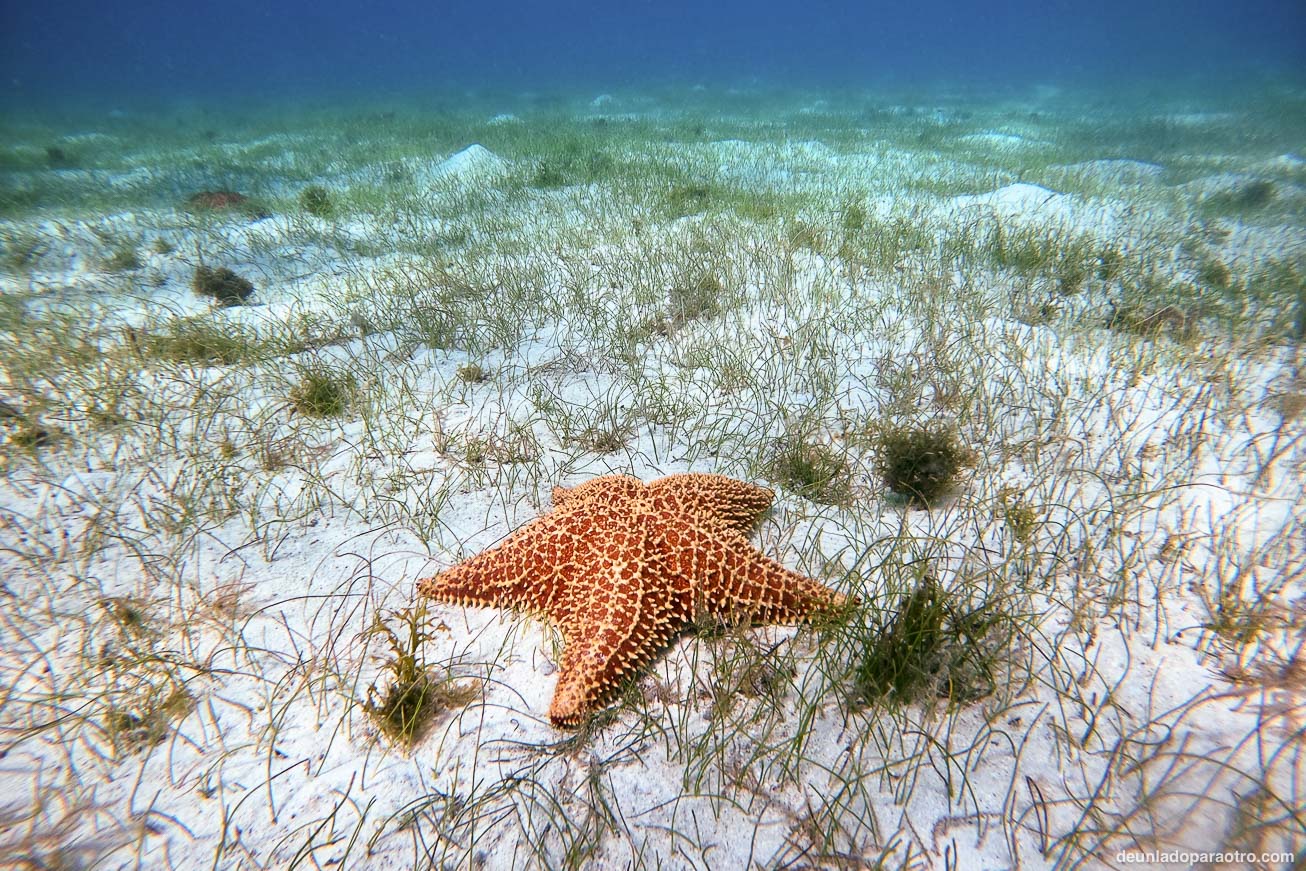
1249	196
222	285
919	462
323	392
932	642
690	199
124	258
472	373
150	721
416	692
205	339
811	469
853	217
695	297
549	174
316	201
1153	322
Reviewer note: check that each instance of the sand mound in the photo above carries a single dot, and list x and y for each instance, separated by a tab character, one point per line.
473	163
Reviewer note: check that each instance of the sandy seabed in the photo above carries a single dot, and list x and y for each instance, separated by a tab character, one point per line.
212	517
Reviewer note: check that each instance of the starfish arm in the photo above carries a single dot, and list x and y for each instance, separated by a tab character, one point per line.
735	582
632	610
609	491
526	570
737	505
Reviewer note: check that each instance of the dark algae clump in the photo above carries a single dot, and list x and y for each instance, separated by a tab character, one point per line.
222	285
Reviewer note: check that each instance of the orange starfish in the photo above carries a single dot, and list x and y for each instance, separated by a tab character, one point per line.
621	567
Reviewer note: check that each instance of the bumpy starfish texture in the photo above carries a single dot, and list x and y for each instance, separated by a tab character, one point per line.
622	567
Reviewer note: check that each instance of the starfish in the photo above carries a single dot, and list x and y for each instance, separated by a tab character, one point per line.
621	567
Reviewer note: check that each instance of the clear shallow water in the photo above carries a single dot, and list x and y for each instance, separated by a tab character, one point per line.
77	49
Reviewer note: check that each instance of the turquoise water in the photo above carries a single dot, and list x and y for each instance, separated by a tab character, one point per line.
126	52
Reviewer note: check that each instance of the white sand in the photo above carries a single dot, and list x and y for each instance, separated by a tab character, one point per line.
277	765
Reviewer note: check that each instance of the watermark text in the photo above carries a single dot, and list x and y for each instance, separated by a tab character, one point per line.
1192	857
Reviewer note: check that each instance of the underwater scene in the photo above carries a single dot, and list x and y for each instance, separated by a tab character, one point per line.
652	436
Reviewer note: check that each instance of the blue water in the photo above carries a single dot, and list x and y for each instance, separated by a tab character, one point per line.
101	49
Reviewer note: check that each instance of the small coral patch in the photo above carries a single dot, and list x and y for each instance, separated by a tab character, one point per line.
215	201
